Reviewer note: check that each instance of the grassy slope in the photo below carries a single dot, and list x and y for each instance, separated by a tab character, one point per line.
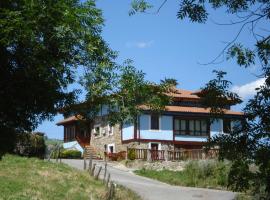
30	178
51	141
196	174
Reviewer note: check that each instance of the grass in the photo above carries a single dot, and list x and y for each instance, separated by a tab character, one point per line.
30	178
51	141
204	174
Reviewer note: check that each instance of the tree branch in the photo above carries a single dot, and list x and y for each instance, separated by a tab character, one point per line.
231	42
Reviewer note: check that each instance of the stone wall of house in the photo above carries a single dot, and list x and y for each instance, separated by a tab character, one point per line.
145	145
101	141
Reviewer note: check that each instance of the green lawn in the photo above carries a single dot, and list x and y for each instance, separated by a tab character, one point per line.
204	174
30	178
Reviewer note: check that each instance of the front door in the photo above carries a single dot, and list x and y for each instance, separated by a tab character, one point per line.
111	149
154	146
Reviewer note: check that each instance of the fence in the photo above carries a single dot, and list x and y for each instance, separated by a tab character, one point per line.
154	155
157	154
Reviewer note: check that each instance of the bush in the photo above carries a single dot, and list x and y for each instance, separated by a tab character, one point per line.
30	145
116	156
70	153
207	174
131	154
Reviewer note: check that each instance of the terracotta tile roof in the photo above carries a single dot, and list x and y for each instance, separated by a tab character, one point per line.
67	120
198	110
180	93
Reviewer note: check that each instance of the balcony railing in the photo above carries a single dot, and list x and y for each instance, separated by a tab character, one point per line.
177	155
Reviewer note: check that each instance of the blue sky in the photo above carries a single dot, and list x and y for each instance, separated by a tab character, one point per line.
163	46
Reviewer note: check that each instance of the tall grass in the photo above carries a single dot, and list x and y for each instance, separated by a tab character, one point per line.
205	174
30	178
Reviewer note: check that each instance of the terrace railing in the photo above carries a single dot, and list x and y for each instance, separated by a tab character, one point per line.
157	154
192	154
177	155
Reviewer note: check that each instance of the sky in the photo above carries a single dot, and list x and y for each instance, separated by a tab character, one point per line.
164	47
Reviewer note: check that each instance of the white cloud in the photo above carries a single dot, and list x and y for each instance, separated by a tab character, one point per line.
140	44
248	89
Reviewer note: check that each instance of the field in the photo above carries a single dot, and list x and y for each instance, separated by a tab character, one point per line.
30	178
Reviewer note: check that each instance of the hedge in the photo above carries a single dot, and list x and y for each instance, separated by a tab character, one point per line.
70	153
67	153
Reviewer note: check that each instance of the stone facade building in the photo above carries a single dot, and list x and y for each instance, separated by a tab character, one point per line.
184	124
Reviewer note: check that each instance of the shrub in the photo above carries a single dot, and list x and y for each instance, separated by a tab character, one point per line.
30	145
131	154
70	153
207	174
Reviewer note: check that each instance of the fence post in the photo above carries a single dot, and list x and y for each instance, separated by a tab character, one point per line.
111	191
108	180
90	162
93	169
58	153
84	159
97	175
105	172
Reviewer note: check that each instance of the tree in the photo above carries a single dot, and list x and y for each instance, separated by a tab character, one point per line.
249	143
41	45
123	90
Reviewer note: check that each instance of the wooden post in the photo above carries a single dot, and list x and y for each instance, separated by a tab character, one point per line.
57	153
97	175
111	192
127	154
90	161
166	155
84	163
149	155
93	169
108	180
84	160
105	172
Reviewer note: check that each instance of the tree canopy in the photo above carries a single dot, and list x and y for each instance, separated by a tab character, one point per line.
248	144
123	90
41	45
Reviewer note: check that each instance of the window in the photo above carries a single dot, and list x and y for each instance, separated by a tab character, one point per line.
226	125
196	127
110	129
69	133
154	122
97	130
180	126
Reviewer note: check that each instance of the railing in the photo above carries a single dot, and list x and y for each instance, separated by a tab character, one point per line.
141	154
154	155
193	154
157	154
